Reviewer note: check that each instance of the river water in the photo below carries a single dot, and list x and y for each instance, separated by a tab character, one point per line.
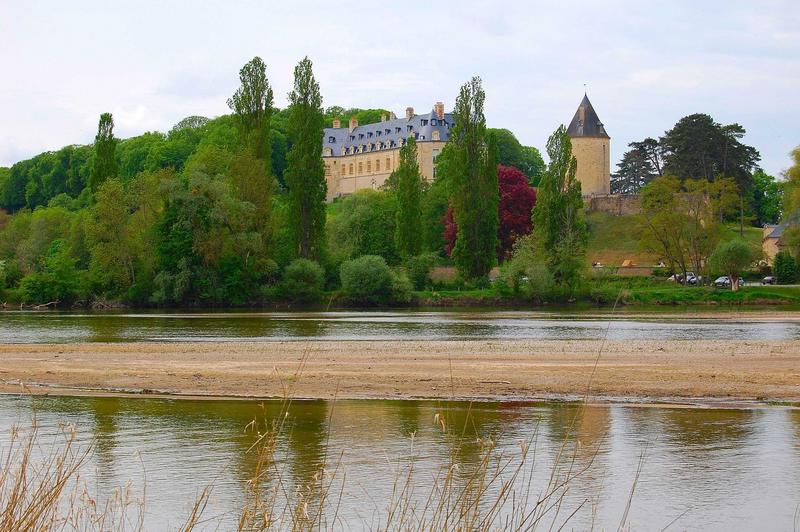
43	327
682	468
698	468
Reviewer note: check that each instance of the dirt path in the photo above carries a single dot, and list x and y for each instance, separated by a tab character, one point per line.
472	369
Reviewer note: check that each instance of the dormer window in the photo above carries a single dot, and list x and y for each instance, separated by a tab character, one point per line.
424	122
410	127
352	137
360	136
388	131
398	130
332	140
377	133
369	134
434	122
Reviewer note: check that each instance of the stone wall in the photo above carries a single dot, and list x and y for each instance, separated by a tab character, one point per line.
616	204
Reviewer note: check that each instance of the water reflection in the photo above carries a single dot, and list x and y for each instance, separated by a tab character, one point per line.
34	327
715	469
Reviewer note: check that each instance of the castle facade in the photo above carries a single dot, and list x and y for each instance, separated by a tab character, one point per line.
358	157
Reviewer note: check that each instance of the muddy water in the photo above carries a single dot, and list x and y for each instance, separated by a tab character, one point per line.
40	327
710	469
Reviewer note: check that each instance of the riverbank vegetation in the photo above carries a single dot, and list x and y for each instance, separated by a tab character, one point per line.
231	212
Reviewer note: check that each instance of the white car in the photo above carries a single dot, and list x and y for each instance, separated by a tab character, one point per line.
722	282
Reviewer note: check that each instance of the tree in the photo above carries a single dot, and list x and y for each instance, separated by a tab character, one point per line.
252	105
517	199
363	223
105	162
683	222
471	173
785	268
731	258
637	168
111	250
559	227
698	147
305	171
512	153
791	185
767	198
435	205
408	227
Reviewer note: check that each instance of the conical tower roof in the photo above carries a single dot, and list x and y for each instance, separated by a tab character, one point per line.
586	123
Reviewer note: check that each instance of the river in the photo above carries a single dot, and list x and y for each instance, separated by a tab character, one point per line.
698	468
45	327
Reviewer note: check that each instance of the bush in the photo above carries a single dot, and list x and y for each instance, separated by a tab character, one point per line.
367	279
303	281
785	268
401	288
419	269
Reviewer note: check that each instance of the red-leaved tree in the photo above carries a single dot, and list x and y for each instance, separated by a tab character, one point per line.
517	199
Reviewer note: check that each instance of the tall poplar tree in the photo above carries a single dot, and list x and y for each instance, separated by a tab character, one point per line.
408	227
105	145
252	104
250	170
470	166
559	227
305	170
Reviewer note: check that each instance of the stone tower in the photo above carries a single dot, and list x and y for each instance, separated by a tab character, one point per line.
590	146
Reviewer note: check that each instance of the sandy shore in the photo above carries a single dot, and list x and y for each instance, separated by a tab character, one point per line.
768	370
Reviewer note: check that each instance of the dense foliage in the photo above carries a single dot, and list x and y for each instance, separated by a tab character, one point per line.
408	189
732	258
785	268
305	171
699	149
469	165
559	228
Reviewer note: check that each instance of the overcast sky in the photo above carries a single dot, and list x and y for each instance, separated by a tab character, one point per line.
646	64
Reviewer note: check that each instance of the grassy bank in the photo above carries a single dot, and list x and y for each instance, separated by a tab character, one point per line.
631	292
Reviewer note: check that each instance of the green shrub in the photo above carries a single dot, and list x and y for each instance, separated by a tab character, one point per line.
419	269
303	281
401	288
785	268
367	279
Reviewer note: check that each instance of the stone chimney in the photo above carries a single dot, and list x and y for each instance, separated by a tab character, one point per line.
409	113
353	123
337	123
439	108
383	117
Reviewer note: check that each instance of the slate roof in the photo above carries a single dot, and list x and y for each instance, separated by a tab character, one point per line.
777	231
398	129
586	123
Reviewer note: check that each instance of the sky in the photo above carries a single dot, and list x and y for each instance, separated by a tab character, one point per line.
645	64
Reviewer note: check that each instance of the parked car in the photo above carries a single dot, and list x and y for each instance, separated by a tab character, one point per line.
691	278
723	282
768	280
